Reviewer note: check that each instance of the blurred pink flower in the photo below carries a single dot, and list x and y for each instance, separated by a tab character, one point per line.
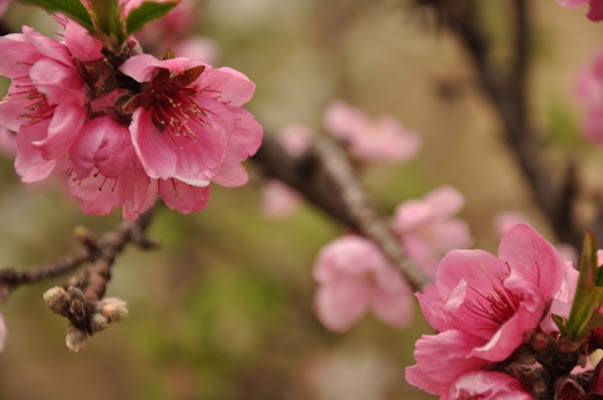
595	11
486	385
3	6
197	48
426	228
505	220
2	333
353	278
483	306
590	91
278	199
381	139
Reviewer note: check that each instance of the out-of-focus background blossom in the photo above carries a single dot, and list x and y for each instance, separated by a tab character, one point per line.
225	309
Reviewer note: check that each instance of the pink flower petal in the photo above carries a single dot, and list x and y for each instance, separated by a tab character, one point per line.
30	164
487	385
81	44
450	349
393	307
244	140
340	304
183	197
538	260
104	143
65	126
227	86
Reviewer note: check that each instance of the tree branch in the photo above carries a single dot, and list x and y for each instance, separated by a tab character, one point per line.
328	180
505	86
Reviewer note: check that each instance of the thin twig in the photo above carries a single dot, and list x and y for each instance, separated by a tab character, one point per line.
106	248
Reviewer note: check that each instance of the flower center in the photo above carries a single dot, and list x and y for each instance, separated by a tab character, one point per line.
36	108
498	306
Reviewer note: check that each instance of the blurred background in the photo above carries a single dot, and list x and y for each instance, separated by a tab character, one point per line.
224	309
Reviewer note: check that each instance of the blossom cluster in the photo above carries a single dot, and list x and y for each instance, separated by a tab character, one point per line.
496	333
354	276
124	127
366	140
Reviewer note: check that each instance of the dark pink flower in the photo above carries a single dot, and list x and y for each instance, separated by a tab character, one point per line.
486	385
381	139
595	11
187	123
354	278
427	229
484	306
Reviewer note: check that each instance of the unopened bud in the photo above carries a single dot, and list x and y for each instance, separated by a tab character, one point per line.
539	341
56	299
98	322
76	339
113	308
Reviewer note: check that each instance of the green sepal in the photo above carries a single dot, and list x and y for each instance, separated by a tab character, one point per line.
73	9
107	13
589	295
147	12
561	324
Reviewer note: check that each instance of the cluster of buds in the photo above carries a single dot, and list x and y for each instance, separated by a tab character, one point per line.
85	317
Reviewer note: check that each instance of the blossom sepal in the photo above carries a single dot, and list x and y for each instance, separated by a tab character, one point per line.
584	315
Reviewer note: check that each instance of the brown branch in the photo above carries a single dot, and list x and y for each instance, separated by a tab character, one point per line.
327	179
108	246
505	86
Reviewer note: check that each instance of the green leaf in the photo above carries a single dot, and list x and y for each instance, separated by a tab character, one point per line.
73	9
147	12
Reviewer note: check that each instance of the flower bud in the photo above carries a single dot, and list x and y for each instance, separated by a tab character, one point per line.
76	339
56	299
98	322
113	308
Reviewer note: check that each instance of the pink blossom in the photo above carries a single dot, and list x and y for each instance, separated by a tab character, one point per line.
483	306
595	12
486	385
278	199
188	124
45	103
426	228
354	278
382	139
